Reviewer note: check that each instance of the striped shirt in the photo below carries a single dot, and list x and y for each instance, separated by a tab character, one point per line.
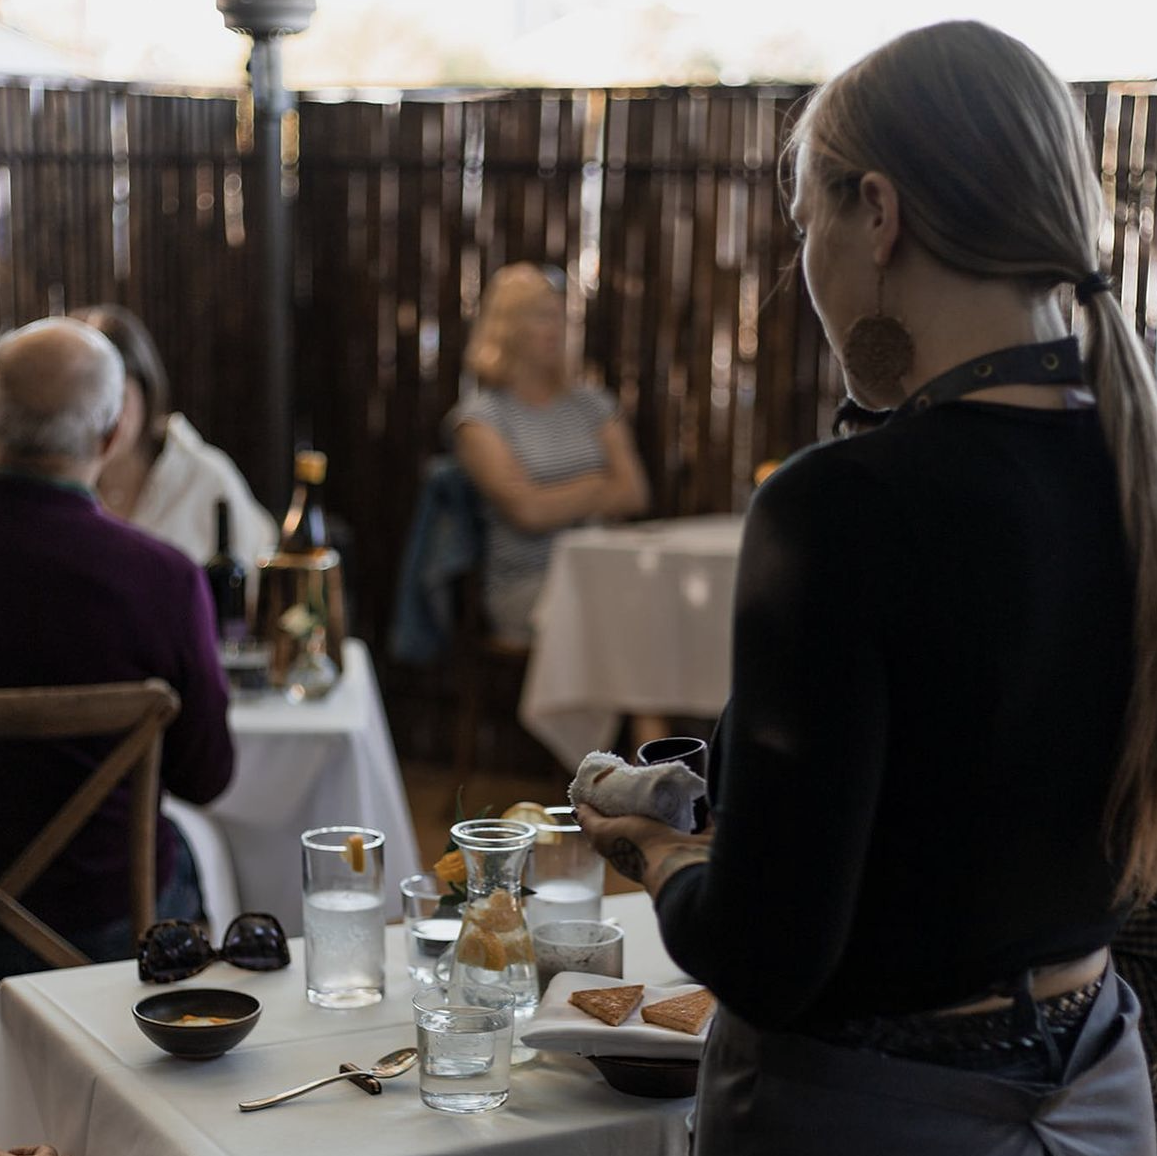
553	443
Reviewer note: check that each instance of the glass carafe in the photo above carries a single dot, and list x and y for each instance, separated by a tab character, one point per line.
494	944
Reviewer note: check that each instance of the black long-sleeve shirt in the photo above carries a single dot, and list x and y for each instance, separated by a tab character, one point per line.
932	657
91	599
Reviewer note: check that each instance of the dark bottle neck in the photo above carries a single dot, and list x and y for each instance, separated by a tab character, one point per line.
227	583
304	528
222	527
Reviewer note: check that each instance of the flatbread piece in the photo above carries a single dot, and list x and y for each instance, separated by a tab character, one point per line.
685	1013
612	1005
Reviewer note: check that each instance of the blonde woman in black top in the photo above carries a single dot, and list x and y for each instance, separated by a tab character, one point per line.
929	827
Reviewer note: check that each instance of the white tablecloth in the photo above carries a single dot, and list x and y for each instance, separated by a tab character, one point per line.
297	766
632	619
75	1072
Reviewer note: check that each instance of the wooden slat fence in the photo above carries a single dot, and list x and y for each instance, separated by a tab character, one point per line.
660	205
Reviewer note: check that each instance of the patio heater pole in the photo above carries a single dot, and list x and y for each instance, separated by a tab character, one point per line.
267	21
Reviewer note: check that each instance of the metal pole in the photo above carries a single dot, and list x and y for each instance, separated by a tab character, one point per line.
272	235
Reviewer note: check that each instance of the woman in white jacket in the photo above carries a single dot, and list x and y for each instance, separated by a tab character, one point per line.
167	479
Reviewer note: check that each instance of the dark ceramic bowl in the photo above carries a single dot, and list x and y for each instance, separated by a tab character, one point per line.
659	1079
158	1017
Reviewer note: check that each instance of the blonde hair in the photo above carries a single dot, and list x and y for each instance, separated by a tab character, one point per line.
990	157
494	341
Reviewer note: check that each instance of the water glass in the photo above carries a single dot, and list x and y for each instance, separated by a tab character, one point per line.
577	945
465	1034
564	871
246	665
344	916
431	927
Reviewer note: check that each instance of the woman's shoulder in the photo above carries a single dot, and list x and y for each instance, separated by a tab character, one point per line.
182	441
853	470
594	402
191	474
482	403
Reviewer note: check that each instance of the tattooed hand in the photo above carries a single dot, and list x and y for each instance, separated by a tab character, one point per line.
643	850
627	859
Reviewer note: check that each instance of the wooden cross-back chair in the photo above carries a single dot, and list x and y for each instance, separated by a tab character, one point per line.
140	711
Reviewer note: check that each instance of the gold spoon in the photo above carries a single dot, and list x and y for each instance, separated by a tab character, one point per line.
390	1065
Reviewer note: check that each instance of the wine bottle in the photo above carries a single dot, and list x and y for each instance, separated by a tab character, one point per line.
304	530
227	582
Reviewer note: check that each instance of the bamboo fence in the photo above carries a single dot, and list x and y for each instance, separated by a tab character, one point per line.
661	205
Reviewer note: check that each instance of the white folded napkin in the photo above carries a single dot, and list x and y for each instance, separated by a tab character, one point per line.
663	791
560	1026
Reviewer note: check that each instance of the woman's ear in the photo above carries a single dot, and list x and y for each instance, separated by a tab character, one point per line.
879	197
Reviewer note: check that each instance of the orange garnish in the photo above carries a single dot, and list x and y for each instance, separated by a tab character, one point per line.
478	947
537	816
355	853
451	868
497	912
518	946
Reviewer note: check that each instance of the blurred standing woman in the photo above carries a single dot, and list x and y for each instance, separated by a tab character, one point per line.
946	812
165	478
543	452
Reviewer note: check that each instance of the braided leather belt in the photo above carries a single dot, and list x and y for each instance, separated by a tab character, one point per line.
945	1038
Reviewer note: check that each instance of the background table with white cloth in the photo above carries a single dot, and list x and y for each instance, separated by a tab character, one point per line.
632	619
75	1072
299	765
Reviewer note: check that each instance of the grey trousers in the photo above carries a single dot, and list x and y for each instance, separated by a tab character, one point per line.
779	1094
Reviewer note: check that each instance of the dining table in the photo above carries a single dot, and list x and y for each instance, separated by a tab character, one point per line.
633	619
298	765
76	1073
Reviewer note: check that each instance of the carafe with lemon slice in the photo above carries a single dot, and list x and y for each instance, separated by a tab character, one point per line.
494	945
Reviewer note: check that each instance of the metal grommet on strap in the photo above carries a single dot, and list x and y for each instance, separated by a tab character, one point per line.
982	371
921	402
1051	362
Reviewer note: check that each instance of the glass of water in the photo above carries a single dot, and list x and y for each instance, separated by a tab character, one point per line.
465	1034
564	871
431	926
344	916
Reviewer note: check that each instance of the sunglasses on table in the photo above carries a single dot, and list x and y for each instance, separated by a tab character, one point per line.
179	948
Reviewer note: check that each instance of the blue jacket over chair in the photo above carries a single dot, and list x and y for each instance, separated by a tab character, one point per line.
445	542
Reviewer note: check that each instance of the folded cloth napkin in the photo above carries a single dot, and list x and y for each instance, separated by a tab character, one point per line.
663	791
559	1026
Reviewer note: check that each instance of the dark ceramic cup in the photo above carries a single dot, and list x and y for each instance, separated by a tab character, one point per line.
692	752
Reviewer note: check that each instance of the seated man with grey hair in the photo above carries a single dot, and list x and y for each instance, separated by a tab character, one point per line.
91	599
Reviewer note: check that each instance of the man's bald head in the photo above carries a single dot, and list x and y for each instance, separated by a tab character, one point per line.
61	391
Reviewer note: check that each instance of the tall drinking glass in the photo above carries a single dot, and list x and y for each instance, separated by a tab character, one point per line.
344	916
564	871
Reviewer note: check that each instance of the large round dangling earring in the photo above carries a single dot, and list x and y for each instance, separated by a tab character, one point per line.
877	353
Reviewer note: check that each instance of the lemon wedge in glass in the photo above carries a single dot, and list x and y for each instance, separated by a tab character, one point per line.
355	853
537	815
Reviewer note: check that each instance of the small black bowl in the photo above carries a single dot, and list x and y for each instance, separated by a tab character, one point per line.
158	1015
659	1079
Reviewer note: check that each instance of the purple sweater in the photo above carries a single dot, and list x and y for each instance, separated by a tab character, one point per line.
91	599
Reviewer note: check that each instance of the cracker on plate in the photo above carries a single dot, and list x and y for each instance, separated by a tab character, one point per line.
612	1005
685	1013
